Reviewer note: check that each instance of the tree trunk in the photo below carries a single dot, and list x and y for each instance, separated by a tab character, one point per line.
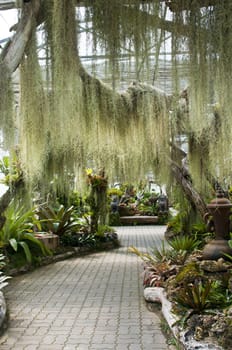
191	194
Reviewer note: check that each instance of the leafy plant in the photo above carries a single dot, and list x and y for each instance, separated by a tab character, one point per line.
220	296
163	253
176	223
176	251
156	275
199	229
195	296
156	270
114	219
17	232
103	229
114	192
58	221
184	243
203	232
189	273
78	202
78	239
178	257
203	294
146	257
10	167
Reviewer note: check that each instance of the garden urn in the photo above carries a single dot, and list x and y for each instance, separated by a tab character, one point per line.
220	209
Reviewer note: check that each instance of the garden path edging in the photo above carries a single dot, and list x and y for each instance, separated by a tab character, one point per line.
157	294
3	309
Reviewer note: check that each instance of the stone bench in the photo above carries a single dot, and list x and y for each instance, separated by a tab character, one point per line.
138	219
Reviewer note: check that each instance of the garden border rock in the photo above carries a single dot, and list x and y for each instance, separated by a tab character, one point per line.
157	294
3	312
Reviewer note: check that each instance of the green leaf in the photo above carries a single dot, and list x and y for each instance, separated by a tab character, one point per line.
13	244
26	251
60	213
32	238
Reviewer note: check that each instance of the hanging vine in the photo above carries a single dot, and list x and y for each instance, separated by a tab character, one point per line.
70	120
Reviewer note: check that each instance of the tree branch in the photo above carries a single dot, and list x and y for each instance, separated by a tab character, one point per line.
178	6
191	194
14	50
7	5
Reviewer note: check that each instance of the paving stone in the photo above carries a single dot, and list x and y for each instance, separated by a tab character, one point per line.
86	303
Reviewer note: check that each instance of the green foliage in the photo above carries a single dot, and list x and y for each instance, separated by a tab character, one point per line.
81	239
195	296
220	296
163	253
184	243
188	273
202	294
78	239
201	232
177	249
178	257
114	219
157	266
199	229
17	232
78	202
147	209
103	229
11	169
176	223
196	293
114	192
156	275
146	257
230	240
58	221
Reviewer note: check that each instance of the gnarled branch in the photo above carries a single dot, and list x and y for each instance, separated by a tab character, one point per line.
13	52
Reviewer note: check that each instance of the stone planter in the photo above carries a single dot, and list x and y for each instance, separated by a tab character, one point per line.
50	240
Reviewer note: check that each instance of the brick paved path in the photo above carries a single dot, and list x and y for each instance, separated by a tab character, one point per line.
89	303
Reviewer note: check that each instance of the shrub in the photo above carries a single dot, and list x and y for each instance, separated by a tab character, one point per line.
184	243
78	239
17	233
195	296
57	221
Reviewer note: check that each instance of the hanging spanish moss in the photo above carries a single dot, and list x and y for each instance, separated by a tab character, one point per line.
33	108
70	120
7	114
208	31
86	123
128	30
